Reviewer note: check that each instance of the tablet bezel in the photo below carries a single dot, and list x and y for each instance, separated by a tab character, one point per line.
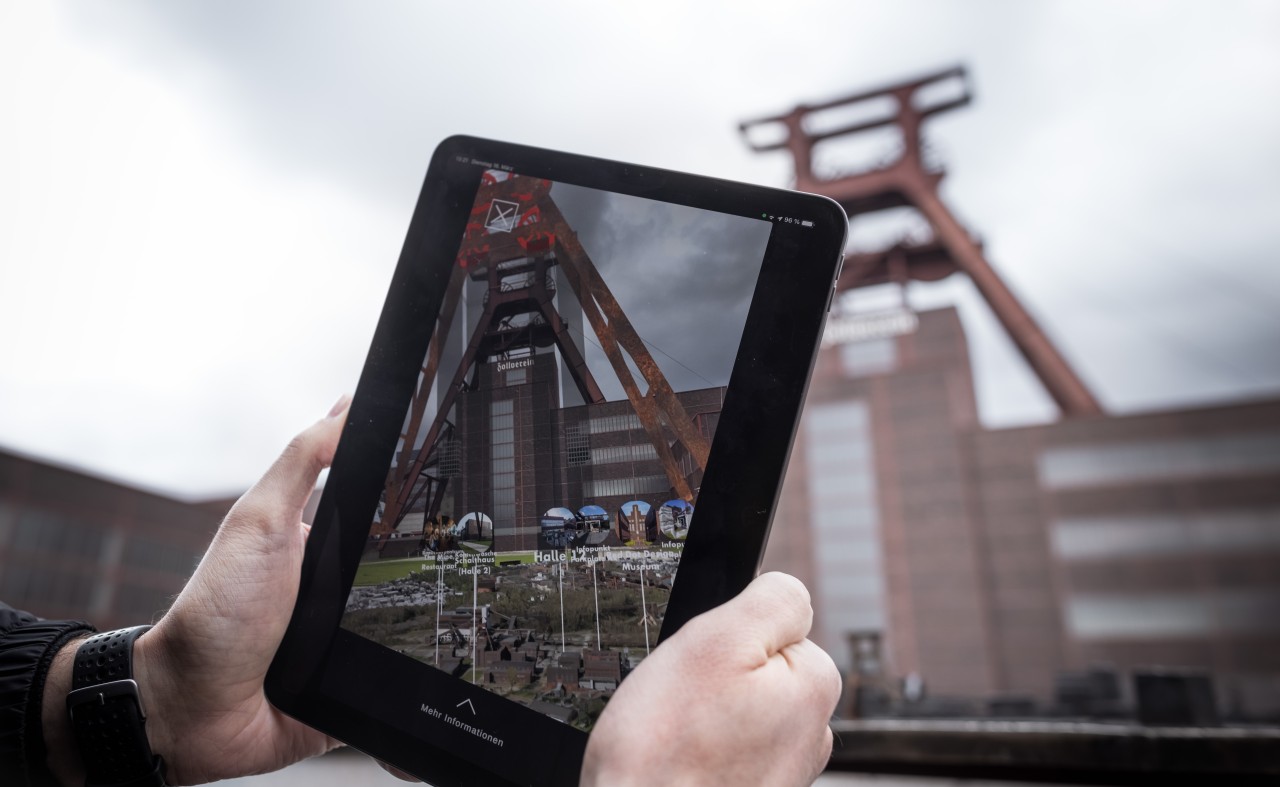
320	671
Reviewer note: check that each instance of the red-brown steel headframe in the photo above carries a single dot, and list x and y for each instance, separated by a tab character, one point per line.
908	180
518	314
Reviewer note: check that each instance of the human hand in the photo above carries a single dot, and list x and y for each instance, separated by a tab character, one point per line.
200	670
737	696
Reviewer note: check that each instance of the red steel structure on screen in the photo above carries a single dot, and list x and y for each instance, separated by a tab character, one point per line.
522	316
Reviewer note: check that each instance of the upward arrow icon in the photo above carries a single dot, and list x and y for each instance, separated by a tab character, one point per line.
468	704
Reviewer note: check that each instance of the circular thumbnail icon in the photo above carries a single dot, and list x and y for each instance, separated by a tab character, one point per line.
597	528
594	518
634	522
474	526
559	528
674	517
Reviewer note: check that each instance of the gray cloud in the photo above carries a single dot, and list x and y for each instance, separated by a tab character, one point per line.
683	276
1117	161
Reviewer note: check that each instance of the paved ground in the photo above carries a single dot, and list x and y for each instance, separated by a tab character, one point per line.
352	769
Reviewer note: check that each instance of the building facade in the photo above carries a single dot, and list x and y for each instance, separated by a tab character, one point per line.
76	546
983	565
1162	536
523	455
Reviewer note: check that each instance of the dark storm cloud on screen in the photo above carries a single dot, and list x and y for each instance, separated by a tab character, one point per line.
683	276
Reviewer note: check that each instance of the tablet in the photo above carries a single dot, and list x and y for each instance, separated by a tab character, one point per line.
567	441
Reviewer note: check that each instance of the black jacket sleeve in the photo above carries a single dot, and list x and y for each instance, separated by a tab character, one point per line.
27	647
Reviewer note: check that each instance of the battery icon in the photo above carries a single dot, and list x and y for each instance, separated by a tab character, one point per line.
806	224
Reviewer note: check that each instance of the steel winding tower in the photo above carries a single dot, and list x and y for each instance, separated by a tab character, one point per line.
518	315
908	180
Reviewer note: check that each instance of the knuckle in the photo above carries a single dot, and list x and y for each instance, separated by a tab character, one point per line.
302	448
698	636
822	679
708	645
787	591
254	512
245	513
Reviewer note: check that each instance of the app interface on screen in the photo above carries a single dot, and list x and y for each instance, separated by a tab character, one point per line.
537	505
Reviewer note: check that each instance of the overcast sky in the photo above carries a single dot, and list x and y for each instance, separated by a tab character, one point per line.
201	203
683	277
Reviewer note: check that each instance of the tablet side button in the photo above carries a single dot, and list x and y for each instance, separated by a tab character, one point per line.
836	282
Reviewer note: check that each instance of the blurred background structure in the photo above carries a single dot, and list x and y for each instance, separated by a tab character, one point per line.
1064	569
1038	478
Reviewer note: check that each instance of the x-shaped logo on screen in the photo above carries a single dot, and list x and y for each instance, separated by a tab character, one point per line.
502	216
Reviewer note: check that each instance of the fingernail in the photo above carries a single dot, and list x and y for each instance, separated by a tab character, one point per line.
339	405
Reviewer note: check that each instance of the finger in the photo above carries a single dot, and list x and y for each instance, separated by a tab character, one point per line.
282	493
822	756
819	689
399	774
816	672
774	610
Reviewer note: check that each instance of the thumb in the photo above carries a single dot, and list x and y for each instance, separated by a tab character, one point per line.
279	497
772	612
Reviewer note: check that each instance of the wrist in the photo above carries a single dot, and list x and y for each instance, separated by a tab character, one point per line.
61	753
152	674
107	711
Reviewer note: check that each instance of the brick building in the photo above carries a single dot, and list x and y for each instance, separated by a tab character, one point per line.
73	545
987	563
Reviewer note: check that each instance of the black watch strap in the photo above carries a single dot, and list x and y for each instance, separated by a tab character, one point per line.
107	716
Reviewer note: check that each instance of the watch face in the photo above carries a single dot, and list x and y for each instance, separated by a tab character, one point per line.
576	357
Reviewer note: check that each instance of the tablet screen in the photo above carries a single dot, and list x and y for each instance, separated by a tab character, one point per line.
536	508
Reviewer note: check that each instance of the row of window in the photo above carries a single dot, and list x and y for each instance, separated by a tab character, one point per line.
1172	615
38	531
36	588
850	583
1168	534
868	358
632	487
614	454
44	531
451	459
1065	467
145	553
502	442
578	446
601	424
26	587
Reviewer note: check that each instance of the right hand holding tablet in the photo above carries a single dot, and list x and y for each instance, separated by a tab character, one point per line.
738	696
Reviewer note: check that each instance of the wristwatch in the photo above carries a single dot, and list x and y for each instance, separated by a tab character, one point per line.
107	716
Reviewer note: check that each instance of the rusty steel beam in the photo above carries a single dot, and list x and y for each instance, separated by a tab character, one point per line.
573	358
800	140
643	405
446	401
417	409
898	264
595	287
907	180
1066	388
479	257
652	407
